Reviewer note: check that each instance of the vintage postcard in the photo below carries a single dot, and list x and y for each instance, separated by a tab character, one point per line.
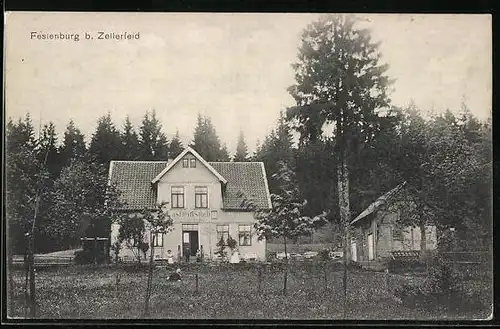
248	166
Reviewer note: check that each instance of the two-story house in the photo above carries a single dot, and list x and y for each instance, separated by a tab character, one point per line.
206	200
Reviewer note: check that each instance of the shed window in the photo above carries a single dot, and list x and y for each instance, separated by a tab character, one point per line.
397	232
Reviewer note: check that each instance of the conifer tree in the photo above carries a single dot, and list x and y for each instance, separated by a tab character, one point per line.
73	145
130	142
241	149
153	142
105	144
206	142
175	146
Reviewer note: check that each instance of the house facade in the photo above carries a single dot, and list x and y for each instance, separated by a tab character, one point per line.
207	201
377	230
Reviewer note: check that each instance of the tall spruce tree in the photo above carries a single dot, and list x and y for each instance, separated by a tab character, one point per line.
241	154
339	82
175	146
130	149
105	144
47	147
73	145
153	142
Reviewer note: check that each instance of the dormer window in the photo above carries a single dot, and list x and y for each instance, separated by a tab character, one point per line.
185	163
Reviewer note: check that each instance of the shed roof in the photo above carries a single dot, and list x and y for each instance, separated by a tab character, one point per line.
379	202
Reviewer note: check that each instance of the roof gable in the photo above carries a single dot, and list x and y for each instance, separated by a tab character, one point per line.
198	157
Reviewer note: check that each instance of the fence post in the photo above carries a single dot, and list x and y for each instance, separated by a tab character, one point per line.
260	280
284	282
387	281
324	272
196	282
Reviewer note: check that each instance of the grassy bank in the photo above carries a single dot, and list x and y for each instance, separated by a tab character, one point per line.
313	292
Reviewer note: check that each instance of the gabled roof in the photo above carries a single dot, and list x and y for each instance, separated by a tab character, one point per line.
245	180
379	202
197	156
133	180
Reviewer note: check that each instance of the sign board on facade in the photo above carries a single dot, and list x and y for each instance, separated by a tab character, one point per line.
193	214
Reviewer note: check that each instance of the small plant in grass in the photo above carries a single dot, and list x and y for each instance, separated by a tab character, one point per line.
324	254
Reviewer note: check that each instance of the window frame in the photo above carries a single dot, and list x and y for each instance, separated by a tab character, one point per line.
185	163
192	163
243	233
189	227
397	233
177	194
155	239
196	194
222	233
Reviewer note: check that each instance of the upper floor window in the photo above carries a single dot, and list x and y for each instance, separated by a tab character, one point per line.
201	197
177	197
185	163
245	235
192	163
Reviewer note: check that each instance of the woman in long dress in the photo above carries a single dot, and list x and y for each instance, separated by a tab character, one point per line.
235	257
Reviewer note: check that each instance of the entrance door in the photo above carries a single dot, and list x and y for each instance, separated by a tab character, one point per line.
189	243
354	254
370	247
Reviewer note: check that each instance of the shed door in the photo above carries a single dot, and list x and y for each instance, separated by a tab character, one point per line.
370	247
354	254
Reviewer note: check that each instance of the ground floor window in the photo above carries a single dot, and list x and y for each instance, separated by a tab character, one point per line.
158	239
245	236
223	233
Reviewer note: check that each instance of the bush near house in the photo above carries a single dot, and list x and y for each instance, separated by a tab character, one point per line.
442	287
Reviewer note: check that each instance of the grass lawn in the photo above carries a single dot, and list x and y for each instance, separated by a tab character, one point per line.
224	292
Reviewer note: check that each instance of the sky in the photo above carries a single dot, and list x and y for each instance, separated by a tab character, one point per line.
234	68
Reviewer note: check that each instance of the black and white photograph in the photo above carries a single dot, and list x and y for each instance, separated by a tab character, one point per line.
248	166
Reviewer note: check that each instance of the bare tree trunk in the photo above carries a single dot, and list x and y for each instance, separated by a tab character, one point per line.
150	275
343	190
